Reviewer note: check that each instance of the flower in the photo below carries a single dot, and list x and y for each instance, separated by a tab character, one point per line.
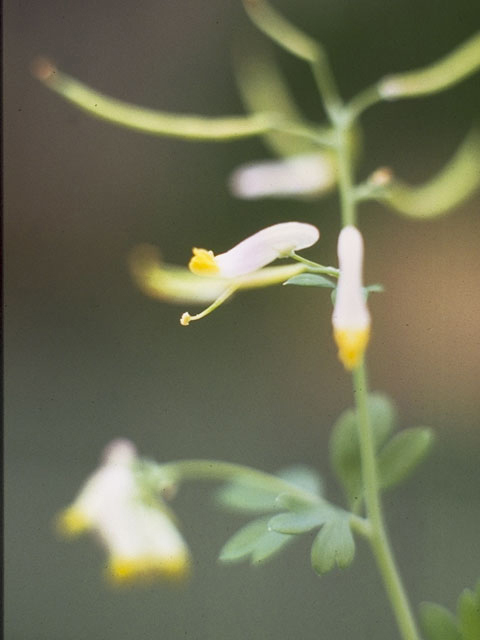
351	319
213	279
135	526
308	174
265	246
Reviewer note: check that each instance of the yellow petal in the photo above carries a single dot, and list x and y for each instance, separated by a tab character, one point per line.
72	522
124	570
351	346
203	263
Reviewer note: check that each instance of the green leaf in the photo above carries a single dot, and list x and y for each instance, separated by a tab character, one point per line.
402	454
345	447
333	545
371	288
296	522
468	613
438	623
254	540
242	543
269	545
311	280
302	477
246	497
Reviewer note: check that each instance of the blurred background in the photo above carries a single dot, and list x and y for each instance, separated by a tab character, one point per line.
89	358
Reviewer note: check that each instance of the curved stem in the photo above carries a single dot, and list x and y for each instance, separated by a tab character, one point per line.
182	470
379	538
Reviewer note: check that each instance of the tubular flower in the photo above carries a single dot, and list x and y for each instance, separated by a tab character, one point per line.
351	319
214	278
265	246
136	528
309	174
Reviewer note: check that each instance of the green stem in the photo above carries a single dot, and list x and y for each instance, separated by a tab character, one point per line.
183	470
379	538
315	267
345	179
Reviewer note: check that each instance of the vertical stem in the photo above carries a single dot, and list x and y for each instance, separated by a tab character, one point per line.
345	180
379	539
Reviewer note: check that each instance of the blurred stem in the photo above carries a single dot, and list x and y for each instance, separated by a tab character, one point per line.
379	538
183	470
188	127
345	178
299	44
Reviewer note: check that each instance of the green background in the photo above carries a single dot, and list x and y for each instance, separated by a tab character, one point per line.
89	358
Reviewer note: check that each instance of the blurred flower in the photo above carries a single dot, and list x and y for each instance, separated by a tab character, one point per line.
351	319
135	526
265	246
309	174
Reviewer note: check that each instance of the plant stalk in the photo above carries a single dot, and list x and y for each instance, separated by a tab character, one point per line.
379	541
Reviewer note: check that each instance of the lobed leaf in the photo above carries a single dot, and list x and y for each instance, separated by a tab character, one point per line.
345	447
295	522
468	613
254	540
402	454
438	623
249	495
303	477
334	545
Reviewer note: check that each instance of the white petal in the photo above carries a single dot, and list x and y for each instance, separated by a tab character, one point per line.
307	174
351	319
350	307
266	246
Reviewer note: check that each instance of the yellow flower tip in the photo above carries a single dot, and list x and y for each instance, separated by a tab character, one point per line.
203	263
185	319
124	571
72	522
352	344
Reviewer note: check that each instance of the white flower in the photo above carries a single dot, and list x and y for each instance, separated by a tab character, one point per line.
351	319
265	246
308	174
135	527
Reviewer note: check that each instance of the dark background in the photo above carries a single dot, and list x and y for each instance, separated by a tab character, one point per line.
89	358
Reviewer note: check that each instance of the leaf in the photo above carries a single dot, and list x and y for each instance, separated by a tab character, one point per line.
311	280
245	497
254	540
302	477
248	495
269	545
402	454
334	545
371	288
468	613
296	522
345	447
438	623
242	543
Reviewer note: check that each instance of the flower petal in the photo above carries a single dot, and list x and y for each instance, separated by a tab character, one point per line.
351	319
303	175
258	250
